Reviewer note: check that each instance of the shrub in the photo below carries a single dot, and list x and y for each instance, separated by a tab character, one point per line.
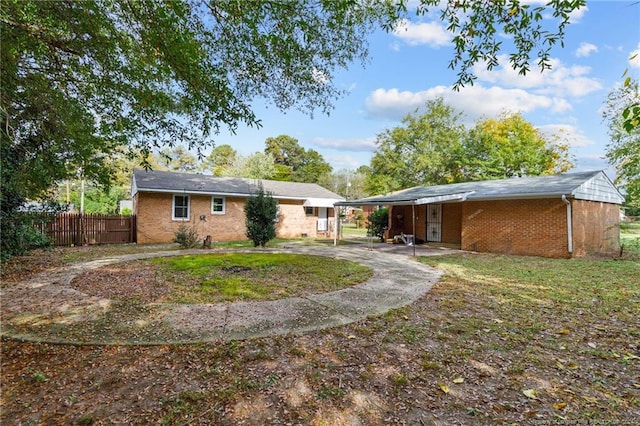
261	212
378	222
186	236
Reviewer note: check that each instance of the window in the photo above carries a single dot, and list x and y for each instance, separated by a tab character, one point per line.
180	207
308	211
217	205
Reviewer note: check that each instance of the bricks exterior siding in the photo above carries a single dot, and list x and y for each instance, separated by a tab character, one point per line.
524	227
452	223
155	223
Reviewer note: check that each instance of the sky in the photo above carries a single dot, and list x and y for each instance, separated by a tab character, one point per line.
410	66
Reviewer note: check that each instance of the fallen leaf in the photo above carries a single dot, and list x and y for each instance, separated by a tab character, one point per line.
559	405
444	388
564	331
530	393
351	336
406	318
499	321
458	380
591	345
590	399
573	366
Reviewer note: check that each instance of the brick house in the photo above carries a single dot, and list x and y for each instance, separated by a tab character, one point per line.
568	215
162	201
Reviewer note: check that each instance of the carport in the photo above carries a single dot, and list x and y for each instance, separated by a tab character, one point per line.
414	201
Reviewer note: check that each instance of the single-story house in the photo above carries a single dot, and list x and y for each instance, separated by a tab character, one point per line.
568	215
162	201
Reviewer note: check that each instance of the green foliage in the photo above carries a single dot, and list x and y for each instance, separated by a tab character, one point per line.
434	148
81	81
294	163
418	152
509	146
186	236
478	28
221	157
261	211
378	222
255	166
624	149
98	199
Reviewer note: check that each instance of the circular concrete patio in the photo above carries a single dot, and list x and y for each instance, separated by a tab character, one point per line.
47	309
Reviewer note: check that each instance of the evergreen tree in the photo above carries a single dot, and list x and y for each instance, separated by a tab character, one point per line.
261	212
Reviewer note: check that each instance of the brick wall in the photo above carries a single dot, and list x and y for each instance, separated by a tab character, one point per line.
452	223
155	223
596	228
524	227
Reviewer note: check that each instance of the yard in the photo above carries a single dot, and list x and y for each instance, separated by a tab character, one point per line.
500	340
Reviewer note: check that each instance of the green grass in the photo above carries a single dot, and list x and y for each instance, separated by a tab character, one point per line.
213	278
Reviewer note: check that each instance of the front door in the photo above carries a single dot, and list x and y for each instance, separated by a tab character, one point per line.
323	220
434	223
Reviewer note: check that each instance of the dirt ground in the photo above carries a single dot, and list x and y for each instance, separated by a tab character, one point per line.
414	366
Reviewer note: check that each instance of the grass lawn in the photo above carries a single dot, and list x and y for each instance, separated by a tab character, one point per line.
255	276
500	340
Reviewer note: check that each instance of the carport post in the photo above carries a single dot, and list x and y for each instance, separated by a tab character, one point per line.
413	231
335	226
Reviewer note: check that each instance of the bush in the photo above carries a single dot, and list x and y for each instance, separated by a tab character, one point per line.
378	223
186	236
261	213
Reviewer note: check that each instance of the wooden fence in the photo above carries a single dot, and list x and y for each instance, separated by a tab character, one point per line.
69	229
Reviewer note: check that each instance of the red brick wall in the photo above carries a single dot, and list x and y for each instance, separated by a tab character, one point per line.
155	223
596	228
524	227
452	223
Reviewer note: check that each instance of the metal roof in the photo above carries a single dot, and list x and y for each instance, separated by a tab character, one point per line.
158	181
592	185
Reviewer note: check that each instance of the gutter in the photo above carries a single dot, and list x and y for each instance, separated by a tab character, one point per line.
569	224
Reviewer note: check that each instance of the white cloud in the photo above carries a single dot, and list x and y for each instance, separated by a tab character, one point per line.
359	144
560	80
474	101
567	134
634	58
430	33
577	15
345	161
586	49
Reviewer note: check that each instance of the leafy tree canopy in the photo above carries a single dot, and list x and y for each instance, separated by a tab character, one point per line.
507	147
421	151
434	148
624	149
295	163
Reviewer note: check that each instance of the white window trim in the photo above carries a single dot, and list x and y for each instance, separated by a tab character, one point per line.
224	204
173	208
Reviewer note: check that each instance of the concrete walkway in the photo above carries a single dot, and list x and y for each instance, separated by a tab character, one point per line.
47	309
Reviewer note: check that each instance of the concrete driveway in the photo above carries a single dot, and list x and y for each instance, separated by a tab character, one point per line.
46	308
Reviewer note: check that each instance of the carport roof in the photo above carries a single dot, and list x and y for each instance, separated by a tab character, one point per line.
592	185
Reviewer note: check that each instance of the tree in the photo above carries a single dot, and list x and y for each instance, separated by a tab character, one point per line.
624	149
293	162
509	146
347	183
378	222
478	29
419	152
256	166
82	79
221	158
261	211
178	159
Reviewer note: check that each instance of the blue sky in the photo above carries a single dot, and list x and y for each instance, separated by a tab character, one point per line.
409	67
